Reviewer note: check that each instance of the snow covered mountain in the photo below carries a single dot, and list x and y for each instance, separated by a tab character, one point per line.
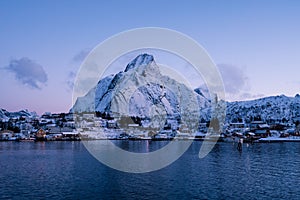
269	109
142	91
273	109
5	115
93	98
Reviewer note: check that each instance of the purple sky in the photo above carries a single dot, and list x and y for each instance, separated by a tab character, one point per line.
256	44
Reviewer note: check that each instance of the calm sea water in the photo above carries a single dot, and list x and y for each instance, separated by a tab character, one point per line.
65	170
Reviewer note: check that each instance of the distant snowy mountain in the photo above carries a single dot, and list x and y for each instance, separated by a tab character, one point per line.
5	115
269	109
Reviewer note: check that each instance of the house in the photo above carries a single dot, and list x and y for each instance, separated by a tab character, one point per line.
260	128
237	125
202	127
54	130
70	136
112	124
262	132
88	116
100	122
40	135
258	125
151	133
70	124
263	126
6	134
69	117
20	136
297	130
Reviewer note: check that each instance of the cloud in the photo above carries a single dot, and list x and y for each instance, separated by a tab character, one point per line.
236	83
70	80
28	72
74	67
79	57
234	78
247	95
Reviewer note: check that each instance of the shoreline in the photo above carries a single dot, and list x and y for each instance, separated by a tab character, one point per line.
222	140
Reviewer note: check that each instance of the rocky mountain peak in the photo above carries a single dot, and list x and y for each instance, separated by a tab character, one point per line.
142	59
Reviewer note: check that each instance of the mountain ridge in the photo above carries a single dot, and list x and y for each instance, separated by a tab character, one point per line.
274	108
145	93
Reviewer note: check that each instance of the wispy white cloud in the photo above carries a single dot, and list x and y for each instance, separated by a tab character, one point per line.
247	95
28	72
236	83
74	67
234	78
70	80
80	56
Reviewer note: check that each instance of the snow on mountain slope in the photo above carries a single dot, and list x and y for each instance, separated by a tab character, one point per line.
5	115
143	59
270	109
203	92
143	87
152	94
141	91
85	103
94	97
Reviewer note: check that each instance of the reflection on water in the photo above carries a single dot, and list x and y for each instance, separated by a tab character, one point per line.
65	170
139	146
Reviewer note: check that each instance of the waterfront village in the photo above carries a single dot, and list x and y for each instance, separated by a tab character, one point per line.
88	126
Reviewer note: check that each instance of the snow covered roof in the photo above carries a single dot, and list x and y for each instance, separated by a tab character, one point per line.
6	131
69	133
237	123
263	126
257	122
133	125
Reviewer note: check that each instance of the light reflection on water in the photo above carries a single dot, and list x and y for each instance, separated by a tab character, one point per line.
139	146
65	170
